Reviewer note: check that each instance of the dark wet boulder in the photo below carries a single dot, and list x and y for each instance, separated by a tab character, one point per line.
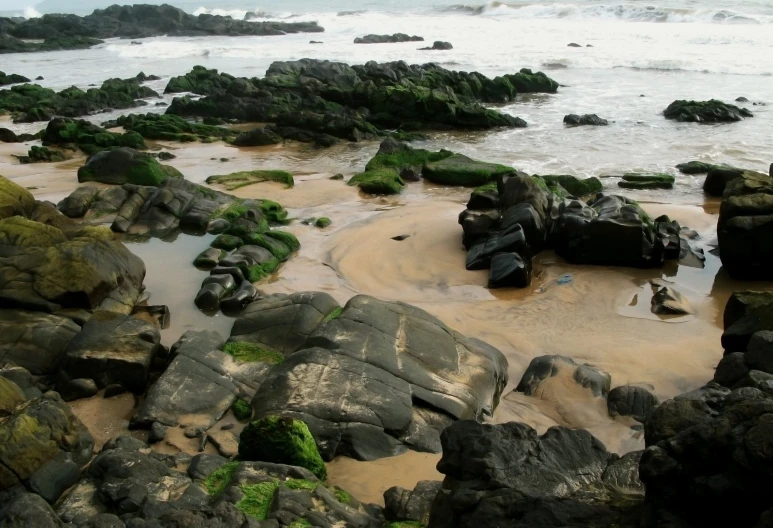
77	389
8	136
494	479
113	348
477	225
166	127
669	301
699	167
12	78
646	181
387	39
542	368
438	45
41	155
712	111
484	198
746	313
629	400
526	81
718	178
585	119
461	170
480	255
80	134
258	137
21	509
411	505
509	270
576	186
402	402
125	165
35	341
745	226
43	444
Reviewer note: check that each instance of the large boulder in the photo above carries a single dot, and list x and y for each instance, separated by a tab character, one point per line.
712	111
14	199
43	445
35	340
125	165
113	349
371	378
508	475
745	226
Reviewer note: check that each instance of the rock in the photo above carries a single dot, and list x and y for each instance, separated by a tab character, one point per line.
759	352
576	186
35	340
542	368
42	443
282	441
12	78
169	127
338	349
494	479
41	155
8	136
195	389
77	389
158	316
438	45
509	270
411	505
712	111
746	313
743	227
668	301
699	167
226	443
629	400
115	389
21	509
88	137
113	348
718	178
237	180
574	45
240	298
124	165
461	170
157	433
586	119
258	137
647	181
386	39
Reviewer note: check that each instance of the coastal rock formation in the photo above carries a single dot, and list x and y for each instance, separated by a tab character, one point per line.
744	226
82	135
171	128
42	444
649	180
718	177
28	103
542	368
629	400
585	119
521	215
41	155
11	78
132	22
438	45
125	165
387	39
9	44
712	111
369	379
321	101
494	478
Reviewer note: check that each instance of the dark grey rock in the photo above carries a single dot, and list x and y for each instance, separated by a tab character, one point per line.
77	389
509	270
19	509
157	433
53	479
629	400
411	505
586	119
544	367
35	341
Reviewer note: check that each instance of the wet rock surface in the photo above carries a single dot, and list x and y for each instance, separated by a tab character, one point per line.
712	111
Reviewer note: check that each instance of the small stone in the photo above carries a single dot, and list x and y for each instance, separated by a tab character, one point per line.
337	177
157	433
78	388
227	427
114	390
400	238
192	432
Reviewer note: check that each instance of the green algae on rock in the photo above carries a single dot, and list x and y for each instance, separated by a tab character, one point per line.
41	155
322	222
380	181
171	128
712	111
283	441
463	171
88	137
242	410
125	165
237	180
575	185
647	181
12	78
250	352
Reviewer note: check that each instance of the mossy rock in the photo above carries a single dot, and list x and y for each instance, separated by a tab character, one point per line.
647	181
282	441
278	248
405	524
245	178
381	181
575	185
463	171
20	232
258	272
126	165
11	396
227	242
168	127
14	199
250	353
700	167
322	222
257	499
88	137
274	212
242	410
42	155
398	156
217	481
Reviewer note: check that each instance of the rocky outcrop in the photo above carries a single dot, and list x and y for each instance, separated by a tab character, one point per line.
322	102
745	225
717	178
712	111
28	103
369	379
387	39
142	21
42	444
9	44
508	223
85	136
11	78
171	128
507	475
585	119
438	45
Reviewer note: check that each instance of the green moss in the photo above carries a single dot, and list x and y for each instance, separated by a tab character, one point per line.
257	499
260	271
250	353
286	238
244	178
300	523
233	211
463	171
405	524
342	496
168	127
283	441
405	158
14	199
20	232
278	249
227	242
575	186
298	484
647	181
489	187
242	410
381	181
323	222
335	314
274	212
218	480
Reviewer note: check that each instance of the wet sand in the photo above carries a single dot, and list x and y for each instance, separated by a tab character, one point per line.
602	317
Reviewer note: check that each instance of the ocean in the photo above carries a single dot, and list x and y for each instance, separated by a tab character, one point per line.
643	57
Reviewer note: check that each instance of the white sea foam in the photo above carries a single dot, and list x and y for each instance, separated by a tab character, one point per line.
31	12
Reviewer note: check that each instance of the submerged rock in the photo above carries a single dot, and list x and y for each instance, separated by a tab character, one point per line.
387	39
438	45
586	119
712	111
